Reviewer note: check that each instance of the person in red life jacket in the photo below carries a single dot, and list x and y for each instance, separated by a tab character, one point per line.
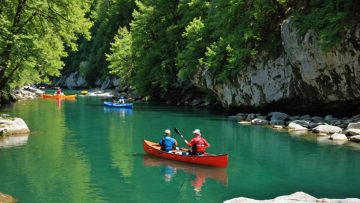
198	144
58	91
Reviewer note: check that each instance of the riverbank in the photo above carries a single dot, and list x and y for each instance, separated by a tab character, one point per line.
340	130
294	198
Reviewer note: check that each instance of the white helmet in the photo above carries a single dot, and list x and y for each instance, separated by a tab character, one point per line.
167	131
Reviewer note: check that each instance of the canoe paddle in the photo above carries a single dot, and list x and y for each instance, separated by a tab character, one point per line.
178	132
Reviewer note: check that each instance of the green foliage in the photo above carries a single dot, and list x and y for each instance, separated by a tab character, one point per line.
33	37
169	43
189	58
121	61
155	29
329	19
108	16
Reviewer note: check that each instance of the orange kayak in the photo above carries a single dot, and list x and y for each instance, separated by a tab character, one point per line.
220	161
52	96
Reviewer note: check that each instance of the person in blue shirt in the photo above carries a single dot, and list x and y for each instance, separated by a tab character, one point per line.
167	142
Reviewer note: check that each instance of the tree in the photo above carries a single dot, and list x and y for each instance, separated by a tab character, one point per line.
33	37
108	16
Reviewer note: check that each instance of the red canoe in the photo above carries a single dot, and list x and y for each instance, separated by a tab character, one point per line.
205	159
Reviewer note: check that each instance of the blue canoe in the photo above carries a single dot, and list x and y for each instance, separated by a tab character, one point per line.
117	105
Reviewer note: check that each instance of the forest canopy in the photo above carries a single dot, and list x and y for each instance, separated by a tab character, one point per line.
158	46
170	42
34	36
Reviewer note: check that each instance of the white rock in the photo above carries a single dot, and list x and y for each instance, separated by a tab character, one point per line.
329	129
13	126
353	125
337	136
296	127
257	121
355	138
352	132
303	123
298	197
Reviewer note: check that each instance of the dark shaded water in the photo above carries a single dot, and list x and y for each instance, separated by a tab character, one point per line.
79	151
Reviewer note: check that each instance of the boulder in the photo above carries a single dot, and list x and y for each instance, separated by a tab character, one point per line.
10	126
277	122
257	121
354	125
293	198
342	125
292	118
328	129
316	119
352	132
303	123
250	116
278	116
329	118
305	117
355	138
296	127
338	136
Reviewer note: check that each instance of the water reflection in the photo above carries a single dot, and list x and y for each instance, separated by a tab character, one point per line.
170	169
13	140
123	112
59	101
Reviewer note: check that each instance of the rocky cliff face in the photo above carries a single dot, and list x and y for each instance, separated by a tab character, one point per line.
300	76
76	81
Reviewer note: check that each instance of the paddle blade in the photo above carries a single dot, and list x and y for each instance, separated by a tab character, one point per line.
177	131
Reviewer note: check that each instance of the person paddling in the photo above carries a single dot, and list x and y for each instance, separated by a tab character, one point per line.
198	144
58	91
167	142
121	100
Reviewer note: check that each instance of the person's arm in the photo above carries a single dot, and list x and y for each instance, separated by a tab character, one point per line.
175	143
206	143
189	143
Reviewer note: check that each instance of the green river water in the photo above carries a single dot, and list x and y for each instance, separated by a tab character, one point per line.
80	151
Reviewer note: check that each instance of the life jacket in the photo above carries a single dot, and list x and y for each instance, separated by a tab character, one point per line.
199	147
167	143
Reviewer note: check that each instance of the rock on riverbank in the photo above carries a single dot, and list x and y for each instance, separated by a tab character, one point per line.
294	198
12	126
329	127
7	198
26	92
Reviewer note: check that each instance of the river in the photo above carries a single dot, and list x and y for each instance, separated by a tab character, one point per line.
80	151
